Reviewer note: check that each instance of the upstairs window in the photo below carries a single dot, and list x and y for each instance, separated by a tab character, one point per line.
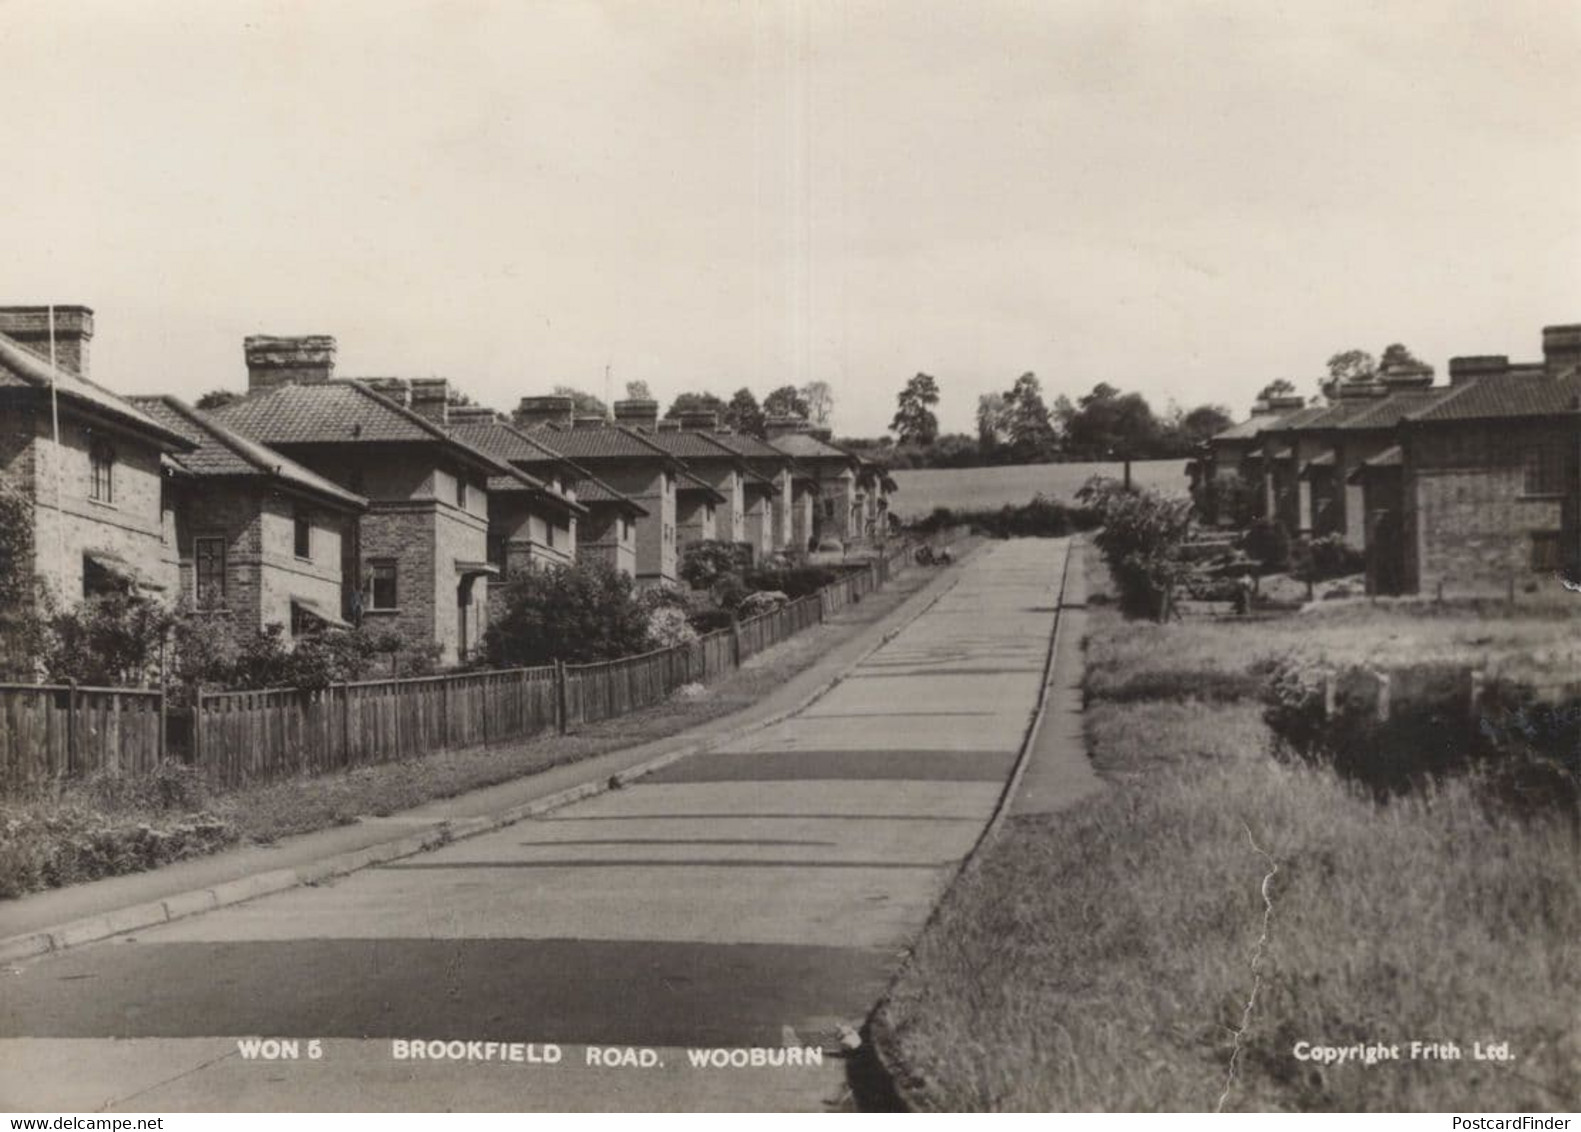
548	533
1545	470
381	584
302	535
461	493
101	473
208	570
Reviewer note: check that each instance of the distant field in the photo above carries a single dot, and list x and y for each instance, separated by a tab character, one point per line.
923	489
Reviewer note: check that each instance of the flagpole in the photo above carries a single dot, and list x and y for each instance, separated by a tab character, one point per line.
60	456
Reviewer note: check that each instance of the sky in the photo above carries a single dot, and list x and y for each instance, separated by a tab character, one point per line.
1185	199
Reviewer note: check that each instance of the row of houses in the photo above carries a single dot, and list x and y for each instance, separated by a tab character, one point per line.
319	500
1470	488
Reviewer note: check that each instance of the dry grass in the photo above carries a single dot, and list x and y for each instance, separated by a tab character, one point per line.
923	489
1101	959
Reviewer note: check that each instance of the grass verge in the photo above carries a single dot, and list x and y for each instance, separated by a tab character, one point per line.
1102	959
108	826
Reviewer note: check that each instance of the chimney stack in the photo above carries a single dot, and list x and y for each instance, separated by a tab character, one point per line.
553	409
397	389
1561	347
589	420
1407	375
699	420
637	413
272	361
824	434
1462	370
779	426
1286	403
29	326
431	399
469	413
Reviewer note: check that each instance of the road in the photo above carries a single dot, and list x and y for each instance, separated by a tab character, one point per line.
756	897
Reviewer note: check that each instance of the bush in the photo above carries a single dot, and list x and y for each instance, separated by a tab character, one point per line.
1141	540
1041	518
579	614
704	563
1320	559
761	602
669	626
712	620
110	640
1268	543
799	581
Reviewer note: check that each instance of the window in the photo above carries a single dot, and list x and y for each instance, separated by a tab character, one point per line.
625	528
101	468
303	534
548	533
381	584
1545	469
461	493
208	570
1545	552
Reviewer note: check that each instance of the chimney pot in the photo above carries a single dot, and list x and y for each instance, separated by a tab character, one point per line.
637	412
304	360
459	413
553	409
779	426
29	326
1464	369
431	398
1561	346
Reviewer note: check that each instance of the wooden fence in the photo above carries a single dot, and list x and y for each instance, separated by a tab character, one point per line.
52	733
49	732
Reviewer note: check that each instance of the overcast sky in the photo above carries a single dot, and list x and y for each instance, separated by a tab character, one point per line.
1185	199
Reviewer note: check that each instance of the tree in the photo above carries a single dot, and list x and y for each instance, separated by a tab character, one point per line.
638	391
218	398
1396	354
1281	387
1027	421
914	422
1350	366
744	415
1203	423
696	403
993	426
582	404
820	403
786	401
1107	424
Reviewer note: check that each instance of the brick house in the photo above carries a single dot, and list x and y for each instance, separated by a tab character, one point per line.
833	473
102	519
257	534
628	463
770	494
605	525
690	439
419	557
1484	488
1235	457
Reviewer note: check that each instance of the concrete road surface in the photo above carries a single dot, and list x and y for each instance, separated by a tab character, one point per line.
695	940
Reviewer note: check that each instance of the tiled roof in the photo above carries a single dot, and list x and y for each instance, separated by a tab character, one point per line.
745	444
339	412
807	447
591	489
692	445
21	368
1506	395
1298	419
607	442
1391	457
221	451
689	482
502	440
1249	428
1391	410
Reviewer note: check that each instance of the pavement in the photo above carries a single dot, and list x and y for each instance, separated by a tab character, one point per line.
699	938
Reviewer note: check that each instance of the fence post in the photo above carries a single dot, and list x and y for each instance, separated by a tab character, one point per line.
1478	687
560	700
1328	695
163	723
1383	696
735	642
197	729
444	711
483	699
71	727
345	724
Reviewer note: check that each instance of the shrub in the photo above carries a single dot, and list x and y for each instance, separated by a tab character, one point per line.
581	613
669	626
1041	518
1268	543
711	620
1141	540
704	563
799	581
112	640
47	846
1330	556
761	602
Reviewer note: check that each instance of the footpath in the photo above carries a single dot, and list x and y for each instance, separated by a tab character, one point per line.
68	917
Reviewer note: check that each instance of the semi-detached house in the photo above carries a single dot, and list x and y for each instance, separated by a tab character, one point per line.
102	518
419	559
257	535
